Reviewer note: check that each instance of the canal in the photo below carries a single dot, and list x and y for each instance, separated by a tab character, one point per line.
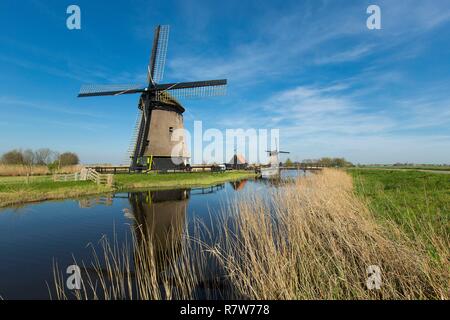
33	237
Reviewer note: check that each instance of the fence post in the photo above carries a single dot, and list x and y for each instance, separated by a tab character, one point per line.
110	180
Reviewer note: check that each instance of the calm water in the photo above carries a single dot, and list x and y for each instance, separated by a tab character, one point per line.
33	236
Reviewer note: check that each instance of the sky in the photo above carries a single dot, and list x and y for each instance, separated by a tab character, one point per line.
311	69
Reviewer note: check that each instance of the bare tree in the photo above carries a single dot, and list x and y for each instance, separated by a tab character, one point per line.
57	159
43	156
29	159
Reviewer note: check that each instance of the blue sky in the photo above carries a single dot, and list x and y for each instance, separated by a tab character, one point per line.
310	68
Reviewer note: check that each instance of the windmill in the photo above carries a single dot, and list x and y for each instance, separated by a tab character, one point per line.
273	154
273	157
160	113
273	170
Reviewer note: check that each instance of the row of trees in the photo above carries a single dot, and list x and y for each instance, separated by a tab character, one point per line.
322	162
43	156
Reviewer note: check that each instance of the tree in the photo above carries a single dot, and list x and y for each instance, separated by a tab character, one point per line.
29	159
325	162
43	156
12	157
288	163
341	162
68	159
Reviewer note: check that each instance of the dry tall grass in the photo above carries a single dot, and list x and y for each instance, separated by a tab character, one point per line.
313	239
140	269
318	242
22	170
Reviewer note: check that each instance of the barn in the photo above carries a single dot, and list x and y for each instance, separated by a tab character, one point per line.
237	162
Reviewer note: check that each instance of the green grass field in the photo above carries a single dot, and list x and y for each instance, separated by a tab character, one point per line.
424	167
14	190
417	201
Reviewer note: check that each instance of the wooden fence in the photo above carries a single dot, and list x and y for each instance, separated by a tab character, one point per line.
93	175
83	175
67	177
87	174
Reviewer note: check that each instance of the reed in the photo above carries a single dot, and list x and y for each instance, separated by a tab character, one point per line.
141	269
315	240
23	170
311	239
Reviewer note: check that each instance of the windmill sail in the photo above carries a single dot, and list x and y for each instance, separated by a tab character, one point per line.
141	131
193	84
188	90
159	52
134	138
92	90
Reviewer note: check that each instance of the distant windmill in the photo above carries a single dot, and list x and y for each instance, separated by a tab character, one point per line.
273	169
273	154
159	111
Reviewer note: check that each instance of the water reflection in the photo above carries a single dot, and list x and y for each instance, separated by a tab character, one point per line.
97	200
208	190
238	185
162	215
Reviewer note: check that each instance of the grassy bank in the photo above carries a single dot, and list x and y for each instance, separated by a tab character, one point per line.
15	190
312	239
17	193
418	202
174	180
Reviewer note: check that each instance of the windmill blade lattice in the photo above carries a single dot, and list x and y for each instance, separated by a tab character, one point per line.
90	90
161	53
191	93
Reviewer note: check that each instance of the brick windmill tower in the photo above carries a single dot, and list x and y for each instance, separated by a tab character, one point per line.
160	113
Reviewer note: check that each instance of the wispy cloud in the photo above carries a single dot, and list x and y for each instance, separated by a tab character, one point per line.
311	110
331	120
15	102
346	56
300	39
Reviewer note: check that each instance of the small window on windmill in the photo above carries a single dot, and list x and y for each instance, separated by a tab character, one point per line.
170	130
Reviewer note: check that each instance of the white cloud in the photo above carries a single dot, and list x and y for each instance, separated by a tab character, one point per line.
351	54
318	121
